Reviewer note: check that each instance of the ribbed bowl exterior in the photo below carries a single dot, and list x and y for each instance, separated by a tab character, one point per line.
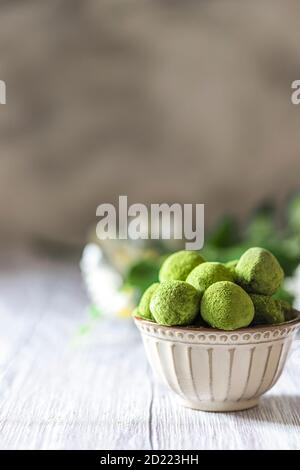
216	370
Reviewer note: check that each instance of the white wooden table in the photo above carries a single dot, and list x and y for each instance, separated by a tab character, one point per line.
62	390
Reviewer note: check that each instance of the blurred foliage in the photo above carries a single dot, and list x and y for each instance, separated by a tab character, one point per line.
294	213
94	312
141	274
229	239
260	230
226	233
282	294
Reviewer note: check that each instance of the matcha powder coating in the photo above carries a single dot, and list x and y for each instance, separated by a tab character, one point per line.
227	306
259	272
234	295
175	303
231	265
207	274
177	266
144	305
267	310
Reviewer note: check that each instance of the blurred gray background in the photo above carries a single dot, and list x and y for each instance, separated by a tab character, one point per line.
165	101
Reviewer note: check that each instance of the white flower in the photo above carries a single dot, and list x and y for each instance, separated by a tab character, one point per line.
103	282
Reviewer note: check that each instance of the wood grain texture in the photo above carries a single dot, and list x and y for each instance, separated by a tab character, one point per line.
62	390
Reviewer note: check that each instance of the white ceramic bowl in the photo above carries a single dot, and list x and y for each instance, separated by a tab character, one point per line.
214	370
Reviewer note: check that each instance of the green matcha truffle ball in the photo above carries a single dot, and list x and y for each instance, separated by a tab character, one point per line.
178	265
231	265
206	274
227	306
286	309
259	272
135	312
267	310
175	303
144	305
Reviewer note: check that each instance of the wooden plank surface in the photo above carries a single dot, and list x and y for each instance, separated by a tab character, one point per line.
60	389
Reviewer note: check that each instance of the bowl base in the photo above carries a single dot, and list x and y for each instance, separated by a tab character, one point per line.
219	406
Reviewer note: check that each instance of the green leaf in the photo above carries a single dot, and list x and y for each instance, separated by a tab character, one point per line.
225	234
142	274
293	213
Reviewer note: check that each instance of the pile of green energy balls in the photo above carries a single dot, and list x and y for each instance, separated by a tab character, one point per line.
227	296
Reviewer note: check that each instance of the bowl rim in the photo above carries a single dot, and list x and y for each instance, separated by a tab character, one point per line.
249	329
